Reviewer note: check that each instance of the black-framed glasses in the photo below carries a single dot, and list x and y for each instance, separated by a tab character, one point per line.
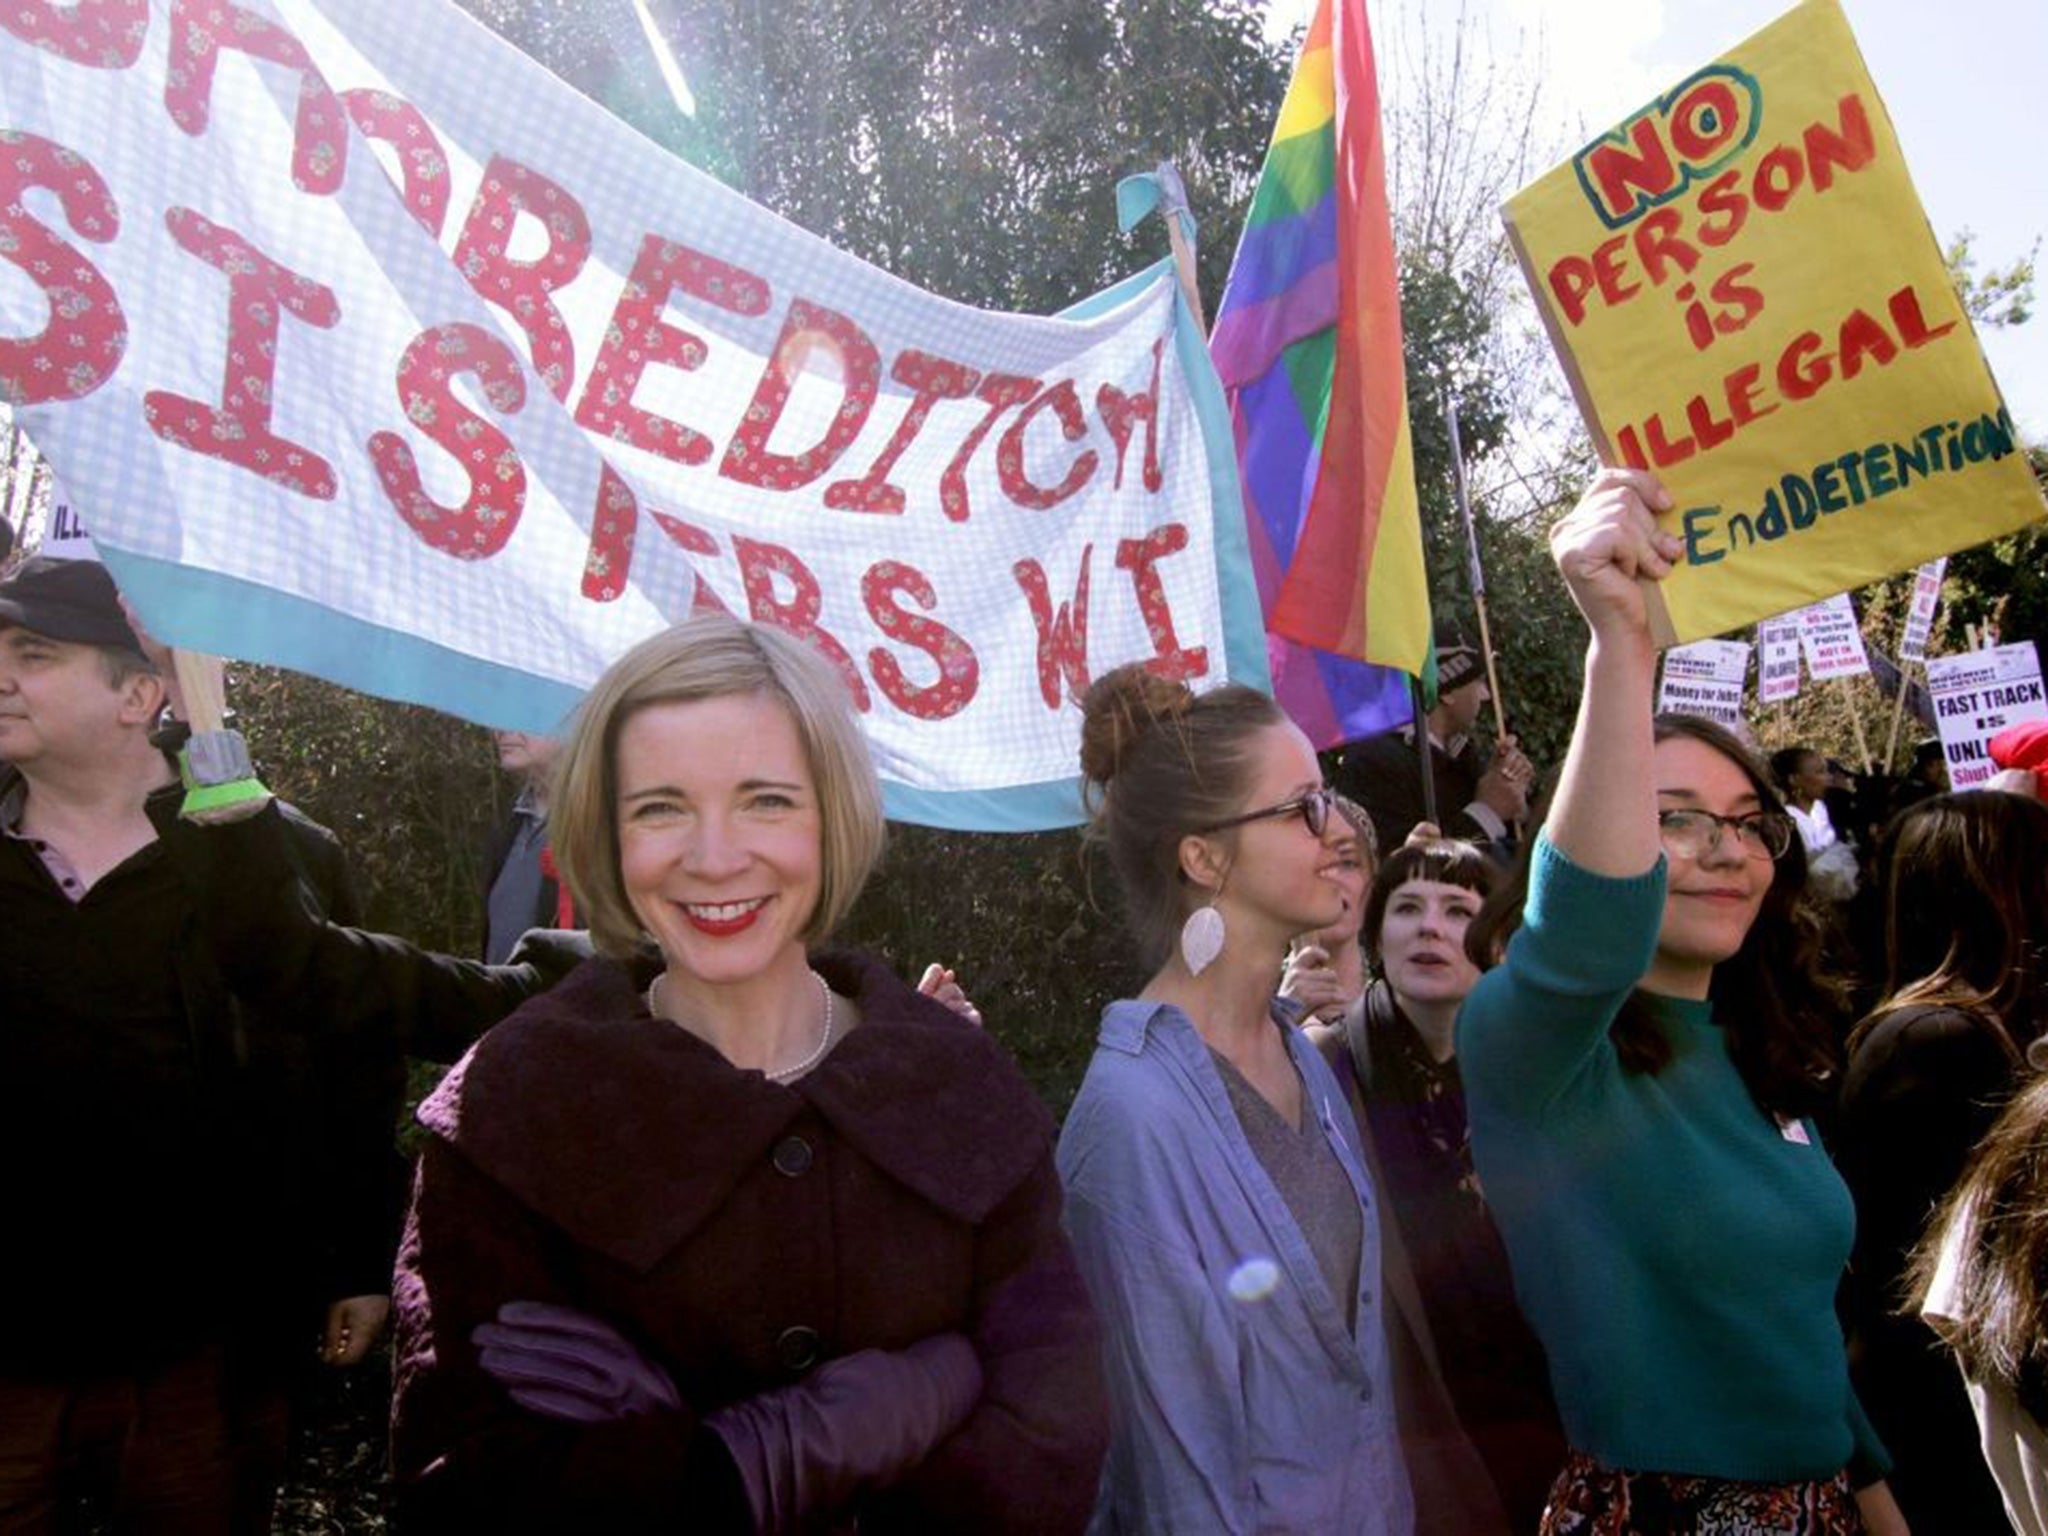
1760	834
1314	809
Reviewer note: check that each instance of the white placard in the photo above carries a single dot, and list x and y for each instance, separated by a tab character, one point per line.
1706	678
1978	694
64	536
1777	674
1832	639
1920	617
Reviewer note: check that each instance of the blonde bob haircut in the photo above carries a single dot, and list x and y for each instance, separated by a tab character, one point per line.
712	656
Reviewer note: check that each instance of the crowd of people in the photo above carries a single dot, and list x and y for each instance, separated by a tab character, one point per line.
1653	1149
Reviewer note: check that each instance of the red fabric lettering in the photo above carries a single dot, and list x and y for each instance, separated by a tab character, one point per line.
83	343
999	391
259	291
1062	633
1121	412
614	522
105	34
1139	557
810	327
422	164
1010	472
697	542
200	31
497	479
762	567
959	671
638	337
524	289
933	379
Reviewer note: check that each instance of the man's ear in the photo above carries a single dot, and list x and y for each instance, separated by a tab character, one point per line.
1203	863
142	698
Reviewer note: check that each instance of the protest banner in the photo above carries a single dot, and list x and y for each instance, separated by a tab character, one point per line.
1832	639
1913	643
1920	616
64	536
1977	694
1746	298
1706	678
369	348
1777	666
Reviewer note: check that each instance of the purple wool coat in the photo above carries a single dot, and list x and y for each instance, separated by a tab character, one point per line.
741	1232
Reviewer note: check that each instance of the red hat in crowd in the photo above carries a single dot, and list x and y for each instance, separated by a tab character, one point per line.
2024	747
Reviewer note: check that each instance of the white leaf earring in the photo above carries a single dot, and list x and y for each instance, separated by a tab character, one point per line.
1201	938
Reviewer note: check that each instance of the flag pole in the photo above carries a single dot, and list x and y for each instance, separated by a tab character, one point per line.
1891	742
1862	741
1422	756
1476	570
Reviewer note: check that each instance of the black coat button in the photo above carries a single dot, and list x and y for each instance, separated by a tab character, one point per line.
793	1157
797	1348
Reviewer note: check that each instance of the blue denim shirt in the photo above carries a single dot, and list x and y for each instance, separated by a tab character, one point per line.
1242	1402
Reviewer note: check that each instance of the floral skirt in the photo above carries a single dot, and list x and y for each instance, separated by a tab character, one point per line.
1591	1500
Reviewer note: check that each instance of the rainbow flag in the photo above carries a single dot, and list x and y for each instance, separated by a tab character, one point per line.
1308	345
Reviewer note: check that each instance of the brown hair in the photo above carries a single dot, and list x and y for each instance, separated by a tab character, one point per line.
2000	1325
712	656
1159	762
1965	881
1778	1005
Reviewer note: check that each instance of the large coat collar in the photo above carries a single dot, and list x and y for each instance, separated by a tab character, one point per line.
629	1133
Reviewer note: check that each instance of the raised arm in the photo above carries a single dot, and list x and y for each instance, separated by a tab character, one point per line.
1604	817
1595	901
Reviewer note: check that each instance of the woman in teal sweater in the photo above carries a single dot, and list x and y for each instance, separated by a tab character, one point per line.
1638	1073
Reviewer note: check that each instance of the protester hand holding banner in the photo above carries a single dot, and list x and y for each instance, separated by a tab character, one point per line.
1977	694
1746	298
464	436
1706	678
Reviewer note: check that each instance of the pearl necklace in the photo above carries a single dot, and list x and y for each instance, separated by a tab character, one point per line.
780	1074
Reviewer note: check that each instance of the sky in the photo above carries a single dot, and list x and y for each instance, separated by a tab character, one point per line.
1964	82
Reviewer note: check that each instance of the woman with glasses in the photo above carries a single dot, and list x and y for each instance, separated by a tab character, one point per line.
1641	1071
1965	882
1216	1191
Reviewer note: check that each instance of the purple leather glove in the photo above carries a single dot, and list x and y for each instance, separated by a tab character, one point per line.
565	1364
861	1422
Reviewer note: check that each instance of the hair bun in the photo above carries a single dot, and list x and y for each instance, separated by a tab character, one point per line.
1120	708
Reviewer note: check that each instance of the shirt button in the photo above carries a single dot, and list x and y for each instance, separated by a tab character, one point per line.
792	1157
797	1348
1365	1393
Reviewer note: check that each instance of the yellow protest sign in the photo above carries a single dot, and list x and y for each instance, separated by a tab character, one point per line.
1748	300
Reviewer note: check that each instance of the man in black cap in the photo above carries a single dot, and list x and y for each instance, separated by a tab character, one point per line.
1480	805
160	1139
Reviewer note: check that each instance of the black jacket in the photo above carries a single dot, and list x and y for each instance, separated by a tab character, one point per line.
184	1167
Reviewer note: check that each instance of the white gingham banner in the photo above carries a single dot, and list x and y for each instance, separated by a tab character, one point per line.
365	345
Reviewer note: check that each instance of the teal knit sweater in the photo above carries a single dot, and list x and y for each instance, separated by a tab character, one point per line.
1675	1249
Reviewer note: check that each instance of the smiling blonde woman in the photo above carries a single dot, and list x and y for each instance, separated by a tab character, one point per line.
729	1232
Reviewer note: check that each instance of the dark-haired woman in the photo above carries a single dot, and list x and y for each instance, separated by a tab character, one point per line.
1394	1053
1966	935
1640	1071
1981	1278
1216	1192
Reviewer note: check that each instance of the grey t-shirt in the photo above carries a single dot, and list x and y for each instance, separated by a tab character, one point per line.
1310	1179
